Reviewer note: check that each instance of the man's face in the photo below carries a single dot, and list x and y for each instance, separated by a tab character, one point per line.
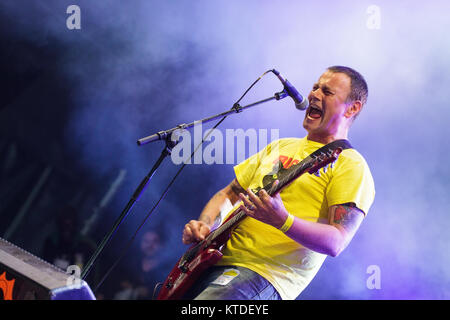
327	114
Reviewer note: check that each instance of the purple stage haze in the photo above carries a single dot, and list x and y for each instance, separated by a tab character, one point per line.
138	67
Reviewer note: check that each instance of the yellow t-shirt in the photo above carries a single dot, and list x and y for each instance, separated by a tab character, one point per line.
286	264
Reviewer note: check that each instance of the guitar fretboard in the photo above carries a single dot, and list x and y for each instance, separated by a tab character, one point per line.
294	172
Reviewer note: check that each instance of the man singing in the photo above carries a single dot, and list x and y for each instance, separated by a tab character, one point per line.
277	250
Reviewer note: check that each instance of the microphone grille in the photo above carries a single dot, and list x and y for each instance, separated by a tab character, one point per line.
302	105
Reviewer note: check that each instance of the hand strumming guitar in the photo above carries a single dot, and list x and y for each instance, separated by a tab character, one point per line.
195	231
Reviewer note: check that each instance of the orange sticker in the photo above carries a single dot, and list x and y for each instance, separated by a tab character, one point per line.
6	286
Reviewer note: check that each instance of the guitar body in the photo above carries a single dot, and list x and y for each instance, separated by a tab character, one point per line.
206	253
181	279
195	261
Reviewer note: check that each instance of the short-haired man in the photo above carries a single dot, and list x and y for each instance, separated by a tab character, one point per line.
260	261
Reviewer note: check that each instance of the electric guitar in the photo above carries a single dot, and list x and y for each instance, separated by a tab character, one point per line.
207	252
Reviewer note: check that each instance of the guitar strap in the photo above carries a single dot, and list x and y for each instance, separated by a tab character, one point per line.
342	143
279	172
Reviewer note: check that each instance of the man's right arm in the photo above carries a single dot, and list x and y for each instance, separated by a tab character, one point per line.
197	230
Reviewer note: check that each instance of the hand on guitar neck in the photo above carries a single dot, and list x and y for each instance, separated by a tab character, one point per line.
265	208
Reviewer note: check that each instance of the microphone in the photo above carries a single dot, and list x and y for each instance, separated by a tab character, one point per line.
301	103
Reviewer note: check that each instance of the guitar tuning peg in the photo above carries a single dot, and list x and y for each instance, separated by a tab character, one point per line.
332	164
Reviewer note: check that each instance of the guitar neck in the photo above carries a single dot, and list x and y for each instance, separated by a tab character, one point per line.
293	173
320	158
238	215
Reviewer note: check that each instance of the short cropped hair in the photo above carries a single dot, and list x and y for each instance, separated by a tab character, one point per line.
358	86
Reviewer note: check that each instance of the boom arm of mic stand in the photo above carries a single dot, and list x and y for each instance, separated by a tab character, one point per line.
161	135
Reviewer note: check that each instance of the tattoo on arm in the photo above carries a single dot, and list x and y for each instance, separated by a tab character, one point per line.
210	211
231	192
348	216
206	219
217	220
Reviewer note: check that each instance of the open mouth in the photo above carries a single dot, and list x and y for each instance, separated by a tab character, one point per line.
314	112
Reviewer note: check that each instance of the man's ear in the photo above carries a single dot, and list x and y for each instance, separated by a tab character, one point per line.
353	109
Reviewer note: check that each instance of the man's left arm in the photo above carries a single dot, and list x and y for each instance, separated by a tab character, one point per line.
344	220
332	238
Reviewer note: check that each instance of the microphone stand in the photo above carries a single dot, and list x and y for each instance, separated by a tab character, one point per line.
171	141
134	198
235	109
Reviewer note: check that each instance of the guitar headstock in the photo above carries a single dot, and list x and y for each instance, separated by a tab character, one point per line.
323	160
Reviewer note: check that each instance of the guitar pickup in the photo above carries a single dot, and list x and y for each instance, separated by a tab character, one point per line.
184	269
182	266
169	283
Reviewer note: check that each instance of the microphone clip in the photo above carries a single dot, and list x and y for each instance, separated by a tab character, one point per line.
281	95
237	107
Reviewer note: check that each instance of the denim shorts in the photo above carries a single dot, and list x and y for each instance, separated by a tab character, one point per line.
244	284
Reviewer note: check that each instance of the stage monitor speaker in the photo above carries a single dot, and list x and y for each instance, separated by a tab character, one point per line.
24	276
